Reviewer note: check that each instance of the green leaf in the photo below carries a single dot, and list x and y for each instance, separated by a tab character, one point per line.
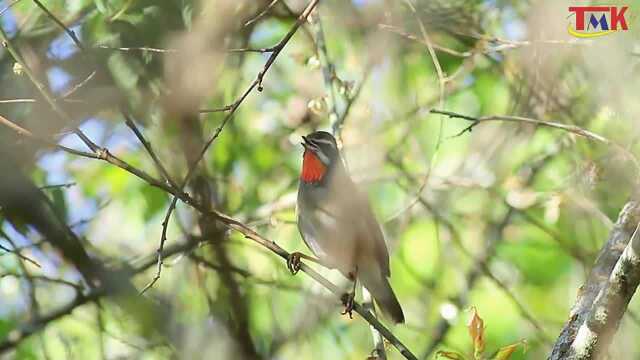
102	7
155	200
6	325
59	202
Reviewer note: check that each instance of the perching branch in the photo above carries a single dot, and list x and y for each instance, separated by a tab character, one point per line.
604	297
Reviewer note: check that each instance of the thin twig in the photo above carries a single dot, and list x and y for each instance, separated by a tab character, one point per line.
222	109
17	253
140	48
9	7
28	134
475	121
43	278
261	13
17	101
442	80
57	186
44	92
69	32
255	50
79	85
147	145
409	36
160	250
169	50
378	341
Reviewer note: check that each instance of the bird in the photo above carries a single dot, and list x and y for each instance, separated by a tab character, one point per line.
337	224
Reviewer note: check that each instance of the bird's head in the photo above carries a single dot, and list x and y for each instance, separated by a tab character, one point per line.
320	155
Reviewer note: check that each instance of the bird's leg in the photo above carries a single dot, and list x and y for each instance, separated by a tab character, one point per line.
348	299
293	262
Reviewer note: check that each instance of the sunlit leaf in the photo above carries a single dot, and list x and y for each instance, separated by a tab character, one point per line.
18	69
101	6
506	351
476	332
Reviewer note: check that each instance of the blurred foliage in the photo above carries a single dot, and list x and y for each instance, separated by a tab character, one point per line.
476	328
509	221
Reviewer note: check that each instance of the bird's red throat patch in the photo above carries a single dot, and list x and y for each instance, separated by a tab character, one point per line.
313	169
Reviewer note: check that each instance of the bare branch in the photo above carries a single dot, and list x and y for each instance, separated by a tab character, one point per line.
147	145
140	48
261	13
69	32
17	253
58	186
45	93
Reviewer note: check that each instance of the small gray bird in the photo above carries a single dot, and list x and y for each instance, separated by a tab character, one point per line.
337	224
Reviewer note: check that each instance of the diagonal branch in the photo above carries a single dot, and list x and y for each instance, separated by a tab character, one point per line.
69	32
604	297
44	92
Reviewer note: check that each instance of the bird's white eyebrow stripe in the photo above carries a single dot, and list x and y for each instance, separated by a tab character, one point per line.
324	158
329	142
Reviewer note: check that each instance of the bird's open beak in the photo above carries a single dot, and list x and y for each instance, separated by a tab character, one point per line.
305	142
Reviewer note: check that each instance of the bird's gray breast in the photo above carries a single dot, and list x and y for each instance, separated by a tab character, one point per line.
320	221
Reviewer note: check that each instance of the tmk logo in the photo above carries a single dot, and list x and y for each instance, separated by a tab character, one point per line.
592	21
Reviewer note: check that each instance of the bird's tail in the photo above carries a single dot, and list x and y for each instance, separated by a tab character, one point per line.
381	291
